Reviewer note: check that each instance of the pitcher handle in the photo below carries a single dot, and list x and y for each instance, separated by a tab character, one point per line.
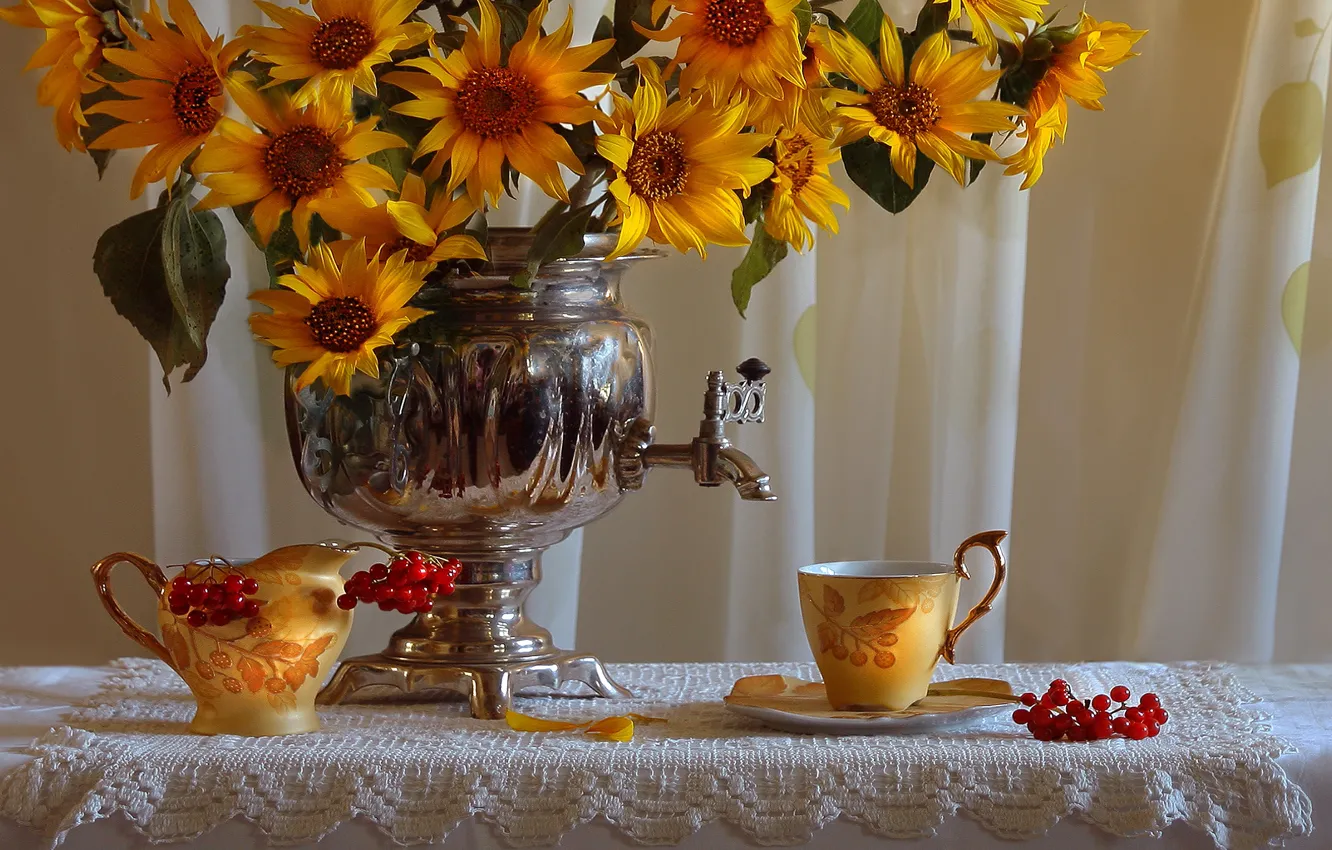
101	572
990	541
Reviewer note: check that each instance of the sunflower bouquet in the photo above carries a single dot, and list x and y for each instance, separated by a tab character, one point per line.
361	143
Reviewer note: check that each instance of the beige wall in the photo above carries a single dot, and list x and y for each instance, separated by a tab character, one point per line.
74	421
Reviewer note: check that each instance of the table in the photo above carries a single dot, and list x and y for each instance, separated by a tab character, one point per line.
34	699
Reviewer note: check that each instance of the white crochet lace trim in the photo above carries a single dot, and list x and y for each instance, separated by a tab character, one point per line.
417	771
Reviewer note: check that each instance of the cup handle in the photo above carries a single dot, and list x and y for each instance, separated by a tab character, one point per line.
101	572
987	540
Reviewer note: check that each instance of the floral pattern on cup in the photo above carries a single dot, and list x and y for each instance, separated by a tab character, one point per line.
872	635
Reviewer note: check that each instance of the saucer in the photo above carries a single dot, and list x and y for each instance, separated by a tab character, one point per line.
794	705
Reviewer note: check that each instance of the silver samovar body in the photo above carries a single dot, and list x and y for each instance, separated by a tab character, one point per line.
508	418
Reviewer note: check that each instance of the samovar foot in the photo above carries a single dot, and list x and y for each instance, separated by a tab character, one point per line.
488	688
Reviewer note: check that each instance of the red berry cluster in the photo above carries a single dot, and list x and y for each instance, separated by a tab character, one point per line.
1058	714
216	597
407	584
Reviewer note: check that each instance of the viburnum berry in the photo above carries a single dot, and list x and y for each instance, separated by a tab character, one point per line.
213	592
1058	713
408	583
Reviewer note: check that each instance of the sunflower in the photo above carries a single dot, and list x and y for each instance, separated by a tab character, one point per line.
487	112
301	155
338	49
178	100
802	187
677	168
926	112
734	47
803	101
408	224
1071	73
335	314
1011	16
73	49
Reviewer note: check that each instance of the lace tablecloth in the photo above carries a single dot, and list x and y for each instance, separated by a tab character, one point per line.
418	771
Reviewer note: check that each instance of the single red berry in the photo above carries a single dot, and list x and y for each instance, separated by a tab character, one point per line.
1059	697
236	601
1103	727
180	583
403	594
420	594
1043	733
1160	715
198	595
1021	716
417	573
1062	723
1134	715
1041	716
1059	685
379	571
1100	702
1079	733
416	557
197	619
180	608
251	608
233	583
1119	693
1137	731
388	604
446	589
397	578
220	617
1152	729
250	586
1047	701
1149	701
346	602
1121	725
383	593
1028	699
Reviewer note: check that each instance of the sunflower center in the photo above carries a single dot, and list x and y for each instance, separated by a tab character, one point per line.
658	168
416	252
496	102
340	325
303	161
798	165
341	43
908	111
737	23
192	100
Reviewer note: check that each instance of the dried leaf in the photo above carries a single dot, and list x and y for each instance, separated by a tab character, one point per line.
1306	27
315	649
833	601
253	674
619	728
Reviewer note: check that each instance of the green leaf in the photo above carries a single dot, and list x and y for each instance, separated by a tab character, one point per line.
282	250
870	166
513	23
194	265
1306	27
560	236
129	263
865	21
805	15
933	18
762	257
628	41
978	164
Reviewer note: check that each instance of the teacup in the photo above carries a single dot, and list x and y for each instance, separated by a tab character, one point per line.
878	628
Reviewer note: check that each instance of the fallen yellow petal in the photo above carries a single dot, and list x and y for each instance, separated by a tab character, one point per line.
618	728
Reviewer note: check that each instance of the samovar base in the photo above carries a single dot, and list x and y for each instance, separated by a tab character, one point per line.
488	687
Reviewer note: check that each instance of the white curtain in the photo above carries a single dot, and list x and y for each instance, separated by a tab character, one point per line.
1110	366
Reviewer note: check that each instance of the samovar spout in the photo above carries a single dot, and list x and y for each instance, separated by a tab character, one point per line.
739	469
711	456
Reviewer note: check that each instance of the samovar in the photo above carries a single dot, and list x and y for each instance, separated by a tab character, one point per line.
509	417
